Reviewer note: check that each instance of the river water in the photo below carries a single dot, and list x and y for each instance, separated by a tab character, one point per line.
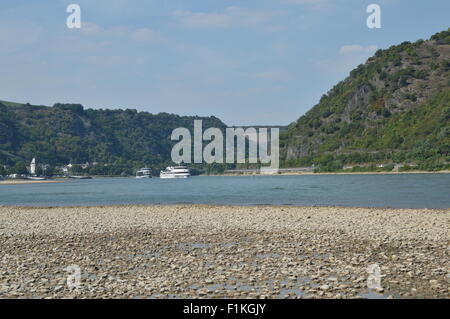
399	191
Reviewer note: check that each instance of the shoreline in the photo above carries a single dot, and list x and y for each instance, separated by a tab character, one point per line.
21	182
230	206
334	173
212	251
62	180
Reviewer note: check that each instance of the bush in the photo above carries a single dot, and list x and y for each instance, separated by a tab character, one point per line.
407	168
76	108
332	166
20	168
386	113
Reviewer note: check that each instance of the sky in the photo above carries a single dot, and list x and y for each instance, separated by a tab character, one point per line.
248	62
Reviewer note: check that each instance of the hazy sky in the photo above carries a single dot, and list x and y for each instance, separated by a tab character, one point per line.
247	62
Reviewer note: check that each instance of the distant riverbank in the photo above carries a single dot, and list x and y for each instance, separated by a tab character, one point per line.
60	180
333	173
210	251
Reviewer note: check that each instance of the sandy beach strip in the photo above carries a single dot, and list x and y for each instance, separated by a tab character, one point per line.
202	251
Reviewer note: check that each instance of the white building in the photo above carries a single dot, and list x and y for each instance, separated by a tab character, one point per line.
33	166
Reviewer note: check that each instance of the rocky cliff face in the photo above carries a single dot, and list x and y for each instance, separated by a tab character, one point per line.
396	106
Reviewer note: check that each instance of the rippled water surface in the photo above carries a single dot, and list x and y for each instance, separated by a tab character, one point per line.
400	191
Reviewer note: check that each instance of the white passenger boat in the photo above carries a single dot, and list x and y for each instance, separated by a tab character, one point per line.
144	173
175	172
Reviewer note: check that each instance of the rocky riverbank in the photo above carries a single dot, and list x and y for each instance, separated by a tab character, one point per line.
199	251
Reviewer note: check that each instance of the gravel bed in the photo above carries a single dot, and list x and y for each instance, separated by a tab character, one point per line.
202	251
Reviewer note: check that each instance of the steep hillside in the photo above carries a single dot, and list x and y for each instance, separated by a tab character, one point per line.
67	133
394	108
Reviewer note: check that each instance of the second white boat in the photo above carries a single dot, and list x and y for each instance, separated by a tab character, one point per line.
175	172
144	173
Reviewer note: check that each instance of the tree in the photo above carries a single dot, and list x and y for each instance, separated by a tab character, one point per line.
2	170
20	168
50	171
76	169
39	170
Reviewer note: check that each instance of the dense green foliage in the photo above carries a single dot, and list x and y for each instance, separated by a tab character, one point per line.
118	141
393	109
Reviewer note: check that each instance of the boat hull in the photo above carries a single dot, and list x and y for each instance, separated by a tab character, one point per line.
80	177
173	176
36	178
143	177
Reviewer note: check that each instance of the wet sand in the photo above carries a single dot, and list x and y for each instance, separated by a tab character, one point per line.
201	251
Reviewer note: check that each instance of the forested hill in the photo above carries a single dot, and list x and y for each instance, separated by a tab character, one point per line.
68	133
393	109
